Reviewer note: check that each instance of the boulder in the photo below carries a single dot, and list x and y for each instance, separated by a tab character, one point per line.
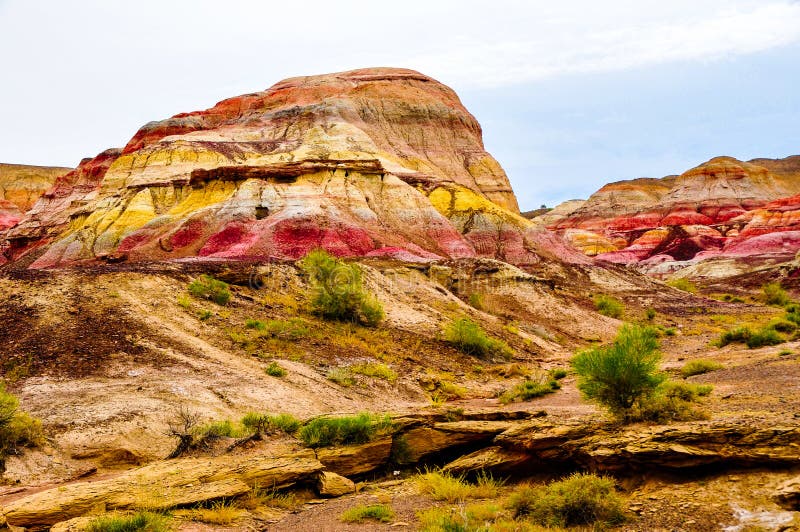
351	460
788	494
162	485
494	458
330	484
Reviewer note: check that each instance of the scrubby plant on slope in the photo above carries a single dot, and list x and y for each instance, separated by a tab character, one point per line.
774	294
17	428
344	430
338	290
621	374
206	287
609	306
470	338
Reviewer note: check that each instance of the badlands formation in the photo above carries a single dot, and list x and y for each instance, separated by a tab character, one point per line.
154	313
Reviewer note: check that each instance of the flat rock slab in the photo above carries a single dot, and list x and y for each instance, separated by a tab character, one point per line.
163	485
356	459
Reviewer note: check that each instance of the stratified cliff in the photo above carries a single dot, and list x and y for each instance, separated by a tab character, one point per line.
20	186
368	162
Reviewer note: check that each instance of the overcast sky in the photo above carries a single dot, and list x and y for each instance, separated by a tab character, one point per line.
571	94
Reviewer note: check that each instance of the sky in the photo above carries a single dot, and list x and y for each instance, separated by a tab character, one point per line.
570	94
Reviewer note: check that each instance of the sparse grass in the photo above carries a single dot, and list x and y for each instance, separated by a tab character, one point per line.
443	486
375	370
620	375
558	373
764	337
683	284
672	401
18	429
732	299
219	513
341	376
269	423
184	302
782	325
272	498
476	517
785	352
468	337
476	301
373	512
531	388
447	391
578	500
609	306
737	335
345	430
338	291
138	522
204	314
255	324
774	294
274	369
650	314
206	287
219	429
700	366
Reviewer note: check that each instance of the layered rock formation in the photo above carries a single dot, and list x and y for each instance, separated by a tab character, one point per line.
722	207
20	186
367	162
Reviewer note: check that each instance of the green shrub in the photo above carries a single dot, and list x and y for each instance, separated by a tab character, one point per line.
255	324
792	314
558	373
345	430
17	428
375	512
737	335
782	325
375	370
290	329
468	337
619	375
775	295
207	287
269	423
650	314
764	337
608	306
672	401
476	300
138	522
274	369
338	291
531	388
670	331
204	314
341	376
218	429
579	500
683	284
700	366
447	391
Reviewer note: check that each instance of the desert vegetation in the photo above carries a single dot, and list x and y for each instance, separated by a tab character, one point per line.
18	429
207	287
699	366
368	512
683	284
470	338
344	430
137	522
338	290
536	385
609	306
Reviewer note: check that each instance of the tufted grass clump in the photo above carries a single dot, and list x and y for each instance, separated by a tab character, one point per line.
579	500
218	513
341	376
274	369
774	294
621	374
531	388
344	430
764	337
470	338
270	423
140	521
699	367
338	290
375	370
737	335
206	287
442	486
18	429
371	512
609	306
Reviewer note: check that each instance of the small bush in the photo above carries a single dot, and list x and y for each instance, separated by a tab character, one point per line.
558	373
785	352
670	331
455	488
274	369
17	428
579	500
447	391
619	375
782	325
775	295
268	423
375	370
476	300
141	521
673	401
291	329
737	335
763	338
341	376
650	314
206	287
683	284
184	302
608	306
532	388
375	512
700	366
480	517
468	337
204	314
255	324
346	430
218	429
338	291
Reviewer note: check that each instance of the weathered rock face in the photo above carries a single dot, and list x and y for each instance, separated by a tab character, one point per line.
724	207
20	186
367	162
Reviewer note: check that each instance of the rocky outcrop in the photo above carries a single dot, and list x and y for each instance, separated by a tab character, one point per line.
163	485
20	186
788	494
332	485
374	162
724	207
